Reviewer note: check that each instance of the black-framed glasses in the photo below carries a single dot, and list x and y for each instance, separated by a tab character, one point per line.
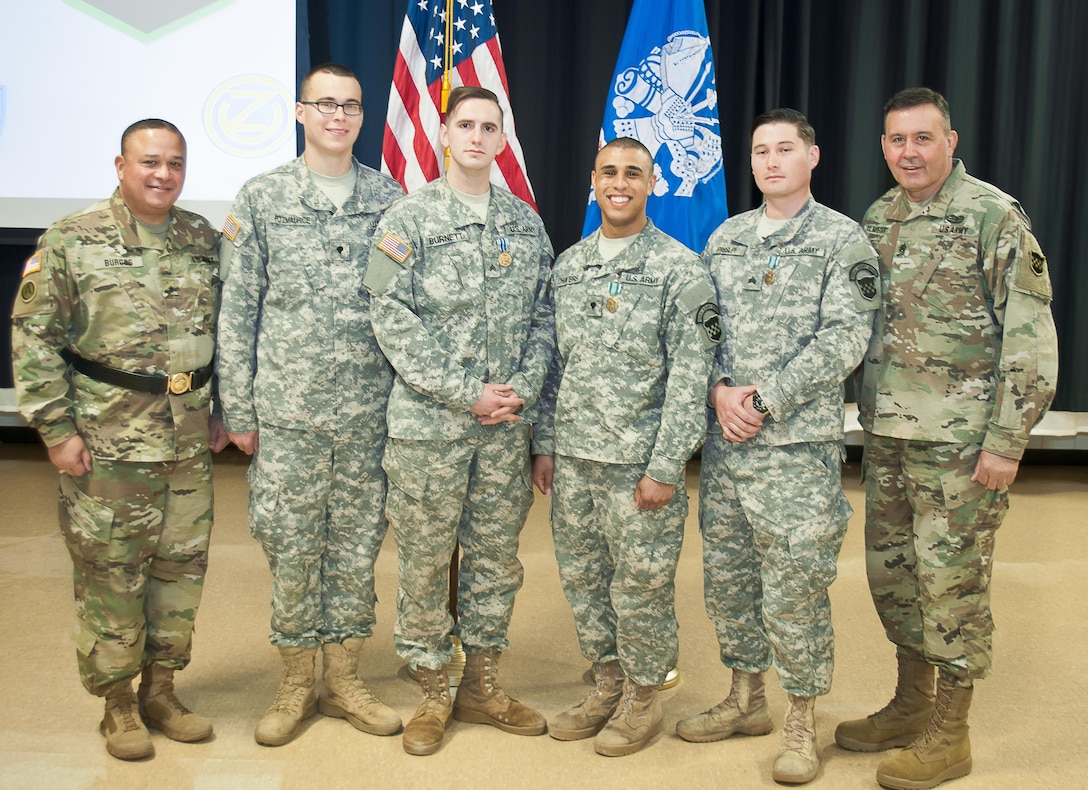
329	107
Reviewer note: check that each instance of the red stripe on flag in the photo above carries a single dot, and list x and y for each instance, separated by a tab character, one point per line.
411	148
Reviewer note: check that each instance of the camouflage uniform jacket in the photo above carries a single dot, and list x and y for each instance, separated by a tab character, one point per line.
451	316
296	349
797	310
965	348
636	338
93	288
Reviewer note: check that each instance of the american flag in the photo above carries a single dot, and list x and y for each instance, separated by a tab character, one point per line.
411	151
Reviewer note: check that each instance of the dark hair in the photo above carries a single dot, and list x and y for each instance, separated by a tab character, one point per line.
149	123
786	115
335	69
465	92
916	97
627	142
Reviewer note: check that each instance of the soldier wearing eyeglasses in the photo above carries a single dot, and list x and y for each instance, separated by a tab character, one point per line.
304	392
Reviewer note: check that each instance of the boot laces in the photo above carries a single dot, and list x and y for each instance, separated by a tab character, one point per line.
595	694
627	702
796	727
168	698
434	690
358	692
936	721
124	712
490	682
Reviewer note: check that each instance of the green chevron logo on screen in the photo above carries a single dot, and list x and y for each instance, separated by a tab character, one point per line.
146	21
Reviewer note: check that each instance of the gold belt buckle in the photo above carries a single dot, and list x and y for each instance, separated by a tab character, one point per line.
180	383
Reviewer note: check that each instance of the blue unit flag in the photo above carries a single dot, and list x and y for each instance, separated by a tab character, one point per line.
664	94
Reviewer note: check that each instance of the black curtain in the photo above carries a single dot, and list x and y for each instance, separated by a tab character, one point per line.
1011	69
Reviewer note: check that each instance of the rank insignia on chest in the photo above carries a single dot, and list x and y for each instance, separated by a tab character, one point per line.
611	305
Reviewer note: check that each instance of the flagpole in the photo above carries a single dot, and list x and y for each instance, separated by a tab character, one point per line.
447	68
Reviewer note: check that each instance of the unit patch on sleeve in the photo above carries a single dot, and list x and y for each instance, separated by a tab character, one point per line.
709	318
866	281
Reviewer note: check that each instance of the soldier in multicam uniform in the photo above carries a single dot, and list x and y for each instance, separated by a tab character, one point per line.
304	388
623	410
458	285
113	333
798	289
961	365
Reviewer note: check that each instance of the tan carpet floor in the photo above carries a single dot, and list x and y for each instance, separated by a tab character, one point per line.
1029	721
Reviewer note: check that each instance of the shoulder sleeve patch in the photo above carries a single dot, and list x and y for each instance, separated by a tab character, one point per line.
709	318
230	228
33	264
1032	275
865	286
395	248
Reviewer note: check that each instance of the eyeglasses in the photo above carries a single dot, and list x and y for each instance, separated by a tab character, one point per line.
329	107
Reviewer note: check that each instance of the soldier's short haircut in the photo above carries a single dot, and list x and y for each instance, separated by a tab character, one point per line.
463	93
150	123
787	115
916	97
627	143
336	69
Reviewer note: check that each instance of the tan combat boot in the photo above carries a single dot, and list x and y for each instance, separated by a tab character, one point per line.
126	736
797	760
900	721
587	718
637	719
743	712
295	699
424	732
347	697
481	700
162	711
942	751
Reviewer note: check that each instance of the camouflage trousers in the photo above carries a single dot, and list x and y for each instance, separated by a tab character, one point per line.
617	565
929	545
772	521
317	507
473	491
138	536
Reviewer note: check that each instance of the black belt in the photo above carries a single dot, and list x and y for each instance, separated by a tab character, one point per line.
174	384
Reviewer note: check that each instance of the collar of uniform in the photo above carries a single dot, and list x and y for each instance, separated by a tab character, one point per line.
788	231
311	195
461	214
901	209
125	222
630	259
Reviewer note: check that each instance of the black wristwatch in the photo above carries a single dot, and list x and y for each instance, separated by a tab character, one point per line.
758	404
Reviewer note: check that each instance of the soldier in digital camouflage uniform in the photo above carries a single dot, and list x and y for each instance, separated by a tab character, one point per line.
798	287
113	333
961	365
458	284
304	388
637	323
